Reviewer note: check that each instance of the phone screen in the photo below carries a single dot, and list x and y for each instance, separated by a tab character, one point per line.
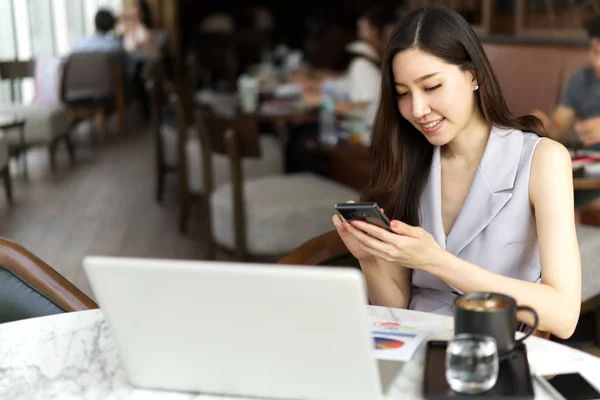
573	387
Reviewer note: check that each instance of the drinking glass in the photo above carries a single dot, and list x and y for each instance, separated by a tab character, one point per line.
471	363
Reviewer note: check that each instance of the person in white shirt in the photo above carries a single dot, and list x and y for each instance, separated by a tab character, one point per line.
357	89
364	71
359	85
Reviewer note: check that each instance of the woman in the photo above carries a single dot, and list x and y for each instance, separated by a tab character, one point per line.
479	201
136	27
364	75
360	84
356	89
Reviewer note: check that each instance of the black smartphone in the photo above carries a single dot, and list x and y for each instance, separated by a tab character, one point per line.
571	386
367	212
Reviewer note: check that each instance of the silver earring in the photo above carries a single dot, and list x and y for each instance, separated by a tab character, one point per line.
476	87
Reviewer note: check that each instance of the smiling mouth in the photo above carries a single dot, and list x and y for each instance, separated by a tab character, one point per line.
432	124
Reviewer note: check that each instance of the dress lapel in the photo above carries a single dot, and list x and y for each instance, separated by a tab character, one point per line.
431	204
490	191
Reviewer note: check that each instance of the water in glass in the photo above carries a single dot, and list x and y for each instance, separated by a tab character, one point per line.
471	363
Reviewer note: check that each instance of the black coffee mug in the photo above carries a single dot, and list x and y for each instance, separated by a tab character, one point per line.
491	314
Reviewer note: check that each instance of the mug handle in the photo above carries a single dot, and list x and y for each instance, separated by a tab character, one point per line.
536	322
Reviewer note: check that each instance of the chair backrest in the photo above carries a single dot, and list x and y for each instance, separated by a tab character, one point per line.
11	70
325	249
181	101
92	74
31	288
239	137
154	79
236	137
15	72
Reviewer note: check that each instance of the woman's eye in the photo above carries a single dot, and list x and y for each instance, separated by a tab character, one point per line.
429	89
399	95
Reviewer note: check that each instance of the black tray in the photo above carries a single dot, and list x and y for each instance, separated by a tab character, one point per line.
514	377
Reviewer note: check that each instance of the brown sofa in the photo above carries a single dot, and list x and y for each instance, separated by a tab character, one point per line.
533	76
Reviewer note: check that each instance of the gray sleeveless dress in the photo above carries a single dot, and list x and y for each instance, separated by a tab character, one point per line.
495	228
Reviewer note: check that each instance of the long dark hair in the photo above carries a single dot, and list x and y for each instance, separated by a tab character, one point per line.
400	154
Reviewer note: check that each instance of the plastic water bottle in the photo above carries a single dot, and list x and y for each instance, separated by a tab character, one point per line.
327	126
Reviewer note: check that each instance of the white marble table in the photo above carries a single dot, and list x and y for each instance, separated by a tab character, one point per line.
72	356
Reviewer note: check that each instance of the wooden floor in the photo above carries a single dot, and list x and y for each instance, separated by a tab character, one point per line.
104	205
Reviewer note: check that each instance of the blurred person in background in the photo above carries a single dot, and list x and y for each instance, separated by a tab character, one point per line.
135	24
141	43
579	106
102	39
355	89
359	85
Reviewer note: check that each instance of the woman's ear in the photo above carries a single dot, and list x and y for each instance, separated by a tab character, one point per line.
472	77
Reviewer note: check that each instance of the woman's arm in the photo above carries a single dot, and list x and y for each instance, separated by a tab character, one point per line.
388	285
557	299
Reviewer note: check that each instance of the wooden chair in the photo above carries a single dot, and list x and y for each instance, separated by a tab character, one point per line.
165	135
93	86
31	288
196	158
329	249
255	213
321	250
5	168
47	124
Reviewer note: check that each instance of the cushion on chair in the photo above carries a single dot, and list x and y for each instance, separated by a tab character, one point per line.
3	151
271	163
19	300
44	121
282	212
169	136
589	248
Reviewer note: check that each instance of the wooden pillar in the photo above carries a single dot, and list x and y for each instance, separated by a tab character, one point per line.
165	15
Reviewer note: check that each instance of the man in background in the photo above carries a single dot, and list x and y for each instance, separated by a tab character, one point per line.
579	106
101	40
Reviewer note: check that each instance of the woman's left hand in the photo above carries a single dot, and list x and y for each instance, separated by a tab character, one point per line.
409	246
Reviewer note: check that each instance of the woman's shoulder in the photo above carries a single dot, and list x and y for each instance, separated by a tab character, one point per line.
541	149
551	172
530	138
550	151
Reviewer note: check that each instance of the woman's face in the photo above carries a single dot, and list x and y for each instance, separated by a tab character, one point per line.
437	98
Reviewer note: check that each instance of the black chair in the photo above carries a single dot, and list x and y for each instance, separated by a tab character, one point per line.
30	288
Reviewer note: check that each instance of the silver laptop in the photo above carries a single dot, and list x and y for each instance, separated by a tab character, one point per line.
238	329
